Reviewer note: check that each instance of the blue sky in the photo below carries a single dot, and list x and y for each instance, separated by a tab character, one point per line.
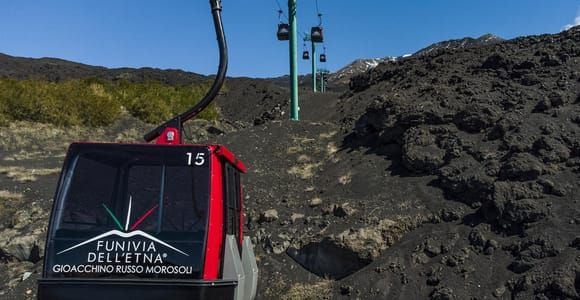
178	33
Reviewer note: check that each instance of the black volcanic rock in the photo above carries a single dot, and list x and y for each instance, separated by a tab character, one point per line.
493	125
434	177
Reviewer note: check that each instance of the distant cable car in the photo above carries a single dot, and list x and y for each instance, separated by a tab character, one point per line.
322	57
283	32
316	34
305	55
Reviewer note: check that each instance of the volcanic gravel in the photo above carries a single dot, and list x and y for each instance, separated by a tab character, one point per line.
498	128
452	175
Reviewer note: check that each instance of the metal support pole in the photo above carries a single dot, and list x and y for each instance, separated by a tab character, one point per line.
322	87
294	108
313	66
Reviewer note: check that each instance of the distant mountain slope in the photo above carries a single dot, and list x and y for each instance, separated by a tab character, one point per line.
53	69
242	100
357	67
360	66
463	43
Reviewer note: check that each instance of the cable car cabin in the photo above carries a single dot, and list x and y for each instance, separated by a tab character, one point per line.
316	34
150	222
283	32
305	55
322	57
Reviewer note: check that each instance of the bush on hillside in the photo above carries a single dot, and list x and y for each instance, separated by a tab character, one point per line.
156	102
63	104
92	102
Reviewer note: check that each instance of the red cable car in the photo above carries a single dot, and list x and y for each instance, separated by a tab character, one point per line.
151	221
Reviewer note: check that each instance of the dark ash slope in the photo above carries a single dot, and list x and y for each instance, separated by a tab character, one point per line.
446	176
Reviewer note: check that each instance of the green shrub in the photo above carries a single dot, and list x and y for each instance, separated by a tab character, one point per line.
4	121
94	105
93	102
155	102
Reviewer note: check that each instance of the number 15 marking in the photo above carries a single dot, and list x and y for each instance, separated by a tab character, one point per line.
199	158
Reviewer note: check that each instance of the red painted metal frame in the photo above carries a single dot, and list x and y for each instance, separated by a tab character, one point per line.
215	230
162	139
229	156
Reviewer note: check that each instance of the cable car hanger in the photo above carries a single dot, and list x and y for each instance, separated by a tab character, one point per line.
177	121
305	53
316	33
283	33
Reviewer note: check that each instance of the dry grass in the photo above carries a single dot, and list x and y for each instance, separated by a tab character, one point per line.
303	291
304	171
328	135
345	179
24	155
45	140
294	149
31	155
40	138
23	175
7	195
331	148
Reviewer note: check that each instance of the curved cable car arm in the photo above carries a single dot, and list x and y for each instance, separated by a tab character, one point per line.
177	121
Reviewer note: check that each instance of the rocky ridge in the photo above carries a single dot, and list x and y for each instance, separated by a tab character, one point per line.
451	175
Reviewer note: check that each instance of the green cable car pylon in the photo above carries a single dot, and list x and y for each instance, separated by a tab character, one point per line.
323	71
323	79
316	37
288	31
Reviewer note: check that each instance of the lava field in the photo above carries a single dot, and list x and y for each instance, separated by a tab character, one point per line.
450	175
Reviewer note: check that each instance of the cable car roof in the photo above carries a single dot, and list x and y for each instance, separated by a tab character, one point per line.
219	150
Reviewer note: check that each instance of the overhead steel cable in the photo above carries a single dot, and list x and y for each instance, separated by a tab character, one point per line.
281	11
317	10
318	14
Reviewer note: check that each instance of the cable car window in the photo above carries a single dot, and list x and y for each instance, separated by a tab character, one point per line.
142	211
233	207
143	192
84	210
182	214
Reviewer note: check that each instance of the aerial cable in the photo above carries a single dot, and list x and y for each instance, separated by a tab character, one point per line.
281	12
319	14
279	6
317	10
